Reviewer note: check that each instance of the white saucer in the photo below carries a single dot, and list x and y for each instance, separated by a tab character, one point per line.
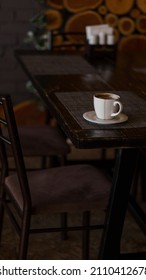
91	117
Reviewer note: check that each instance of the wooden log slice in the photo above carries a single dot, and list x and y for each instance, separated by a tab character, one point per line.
141	5
57	4
119	7
54	19
76	6
77	23
135	13
133	43
111	19
141	23
126	25
102	10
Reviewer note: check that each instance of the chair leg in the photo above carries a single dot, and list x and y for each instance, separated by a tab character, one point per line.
64	234
1	216
86	235
24	237
135	183
143	176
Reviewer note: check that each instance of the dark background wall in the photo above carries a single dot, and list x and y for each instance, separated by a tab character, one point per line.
14	23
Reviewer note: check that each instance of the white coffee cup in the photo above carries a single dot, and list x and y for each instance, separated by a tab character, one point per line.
107	105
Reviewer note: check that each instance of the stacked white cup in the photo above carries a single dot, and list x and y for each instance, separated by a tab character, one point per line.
102	34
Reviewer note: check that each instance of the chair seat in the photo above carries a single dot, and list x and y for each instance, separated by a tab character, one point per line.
63	189
42	140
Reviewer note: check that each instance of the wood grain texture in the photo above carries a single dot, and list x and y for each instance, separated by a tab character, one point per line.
135	13
141	5
79	21
76	6
111	19
126	25
102	10
141	23
119	7
54	19
58	4
133	43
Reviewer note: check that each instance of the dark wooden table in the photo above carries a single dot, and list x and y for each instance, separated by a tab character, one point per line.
69	95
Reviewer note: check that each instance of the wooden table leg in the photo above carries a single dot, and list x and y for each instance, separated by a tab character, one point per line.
118	202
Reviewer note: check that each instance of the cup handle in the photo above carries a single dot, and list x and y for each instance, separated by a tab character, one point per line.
120	108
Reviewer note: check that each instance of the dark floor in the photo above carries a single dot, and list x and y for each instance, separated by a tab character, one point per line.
51	246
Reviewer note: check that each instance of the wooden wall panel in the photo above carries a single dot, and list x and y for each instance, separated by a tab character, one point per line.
128	17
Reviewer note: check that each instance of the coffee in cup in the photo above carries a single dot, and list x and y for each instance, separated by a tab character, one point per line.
107	105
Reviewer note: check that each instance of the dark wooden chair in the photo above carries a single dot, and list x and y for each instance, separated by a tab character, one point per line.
60	189
41	143
45	144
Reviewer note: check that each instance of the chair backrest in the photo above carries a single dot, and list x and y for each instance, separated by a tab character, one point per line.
8	122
